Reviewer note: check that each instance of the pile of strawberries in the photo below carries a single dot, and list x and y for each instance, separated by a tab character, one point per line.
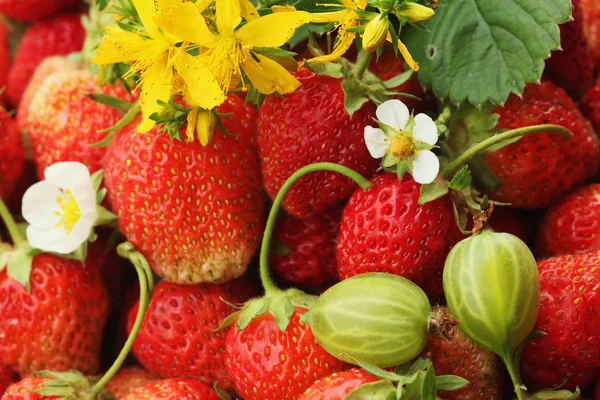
197	213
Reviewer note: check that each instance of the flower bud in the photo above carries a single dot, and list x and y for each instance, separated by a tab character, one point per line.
375	33
416	12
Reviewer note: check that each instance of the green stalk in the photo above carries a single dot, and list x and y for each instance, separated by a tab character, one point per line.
514	377
265	277
146	279
364	59
480	147
11	225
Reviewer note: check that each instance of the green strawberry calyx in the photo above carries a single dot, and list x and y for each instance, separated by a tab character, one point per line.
281	304
408	381
359	84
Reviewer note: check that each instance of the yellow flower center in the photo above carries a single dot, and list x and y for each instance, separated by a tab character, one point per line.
69	211
401	146
225	59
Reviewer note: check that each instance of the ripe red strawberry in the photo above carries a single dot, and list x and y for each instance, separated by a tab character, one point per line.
597	392
177	338
7	377
4	59
61	35
12	160
590	104
568	316
573	225
338	385
591	25
59	325
386	230
24	390
49	66
572	68
509	220
31	10
550	375
127	380
62	122
307	126
28	178
174	389
453	353
540	169
304	251
195	212
265	363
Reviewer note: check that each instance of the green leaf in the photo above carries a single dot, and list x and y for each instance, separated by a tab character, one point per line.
462	179
19	266
380	390
450	382
432	191
484	50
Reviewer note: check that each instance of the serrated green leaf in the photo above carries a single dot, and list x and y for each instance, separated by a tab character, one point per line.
432	191
380	390
19	266
462	179
450	382
484	50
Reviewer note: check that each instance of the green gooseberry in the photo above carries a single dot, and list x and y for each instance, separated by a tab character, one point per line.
376	318
492	287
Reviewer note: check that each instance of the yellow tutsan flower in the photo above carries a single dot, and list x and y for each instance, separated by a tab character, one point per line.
229	52
375	33
158	55
346	20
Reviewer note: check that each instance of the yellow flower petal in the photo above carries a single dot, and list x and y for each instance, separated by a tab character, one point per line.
186	24
146	11
191	124
334	16
205	126
416	12
267	76
228	15
406	54
343	43
156	85
119	46
272	30
248	11
201	88
288	63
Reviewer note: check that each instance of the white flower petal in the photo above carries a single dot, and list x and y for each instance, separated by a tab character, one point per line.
425	130
40	205
82	229
67	175
393	113
425	167
85	196
53	239
375	139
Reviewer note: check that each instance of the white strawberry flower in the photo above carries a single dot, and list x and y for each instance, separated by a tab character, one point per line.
405	141
62	209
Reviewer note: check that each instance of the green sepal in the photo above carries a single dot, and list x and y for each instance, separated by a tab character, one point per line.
96	179
556	394
80	254
5	251
462	179
450	382
19	266
354	94
380	390
71	385
274	51
331	69
519	350
280	305
398	80
109	101
433	190
421	384
105	217
129	116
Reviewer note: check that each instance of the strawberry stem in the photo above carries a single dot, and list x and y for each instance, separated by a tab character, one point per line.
265	277
364	59
11	225
480	147
146	279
